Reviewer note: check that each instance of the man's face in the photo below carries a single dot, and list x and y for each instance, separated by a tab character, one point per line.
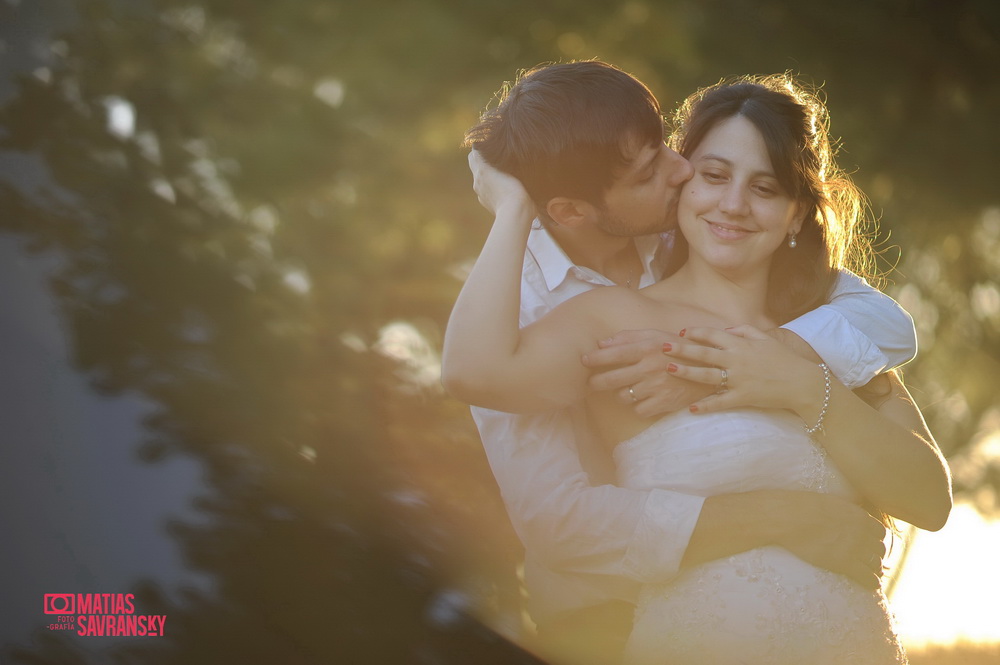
643	199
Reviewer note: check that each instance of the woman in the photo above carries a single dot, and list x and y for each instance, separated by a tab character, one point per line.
764	224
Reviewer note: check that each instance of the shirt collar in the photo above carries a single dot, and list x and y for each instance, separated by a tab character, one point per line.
556	266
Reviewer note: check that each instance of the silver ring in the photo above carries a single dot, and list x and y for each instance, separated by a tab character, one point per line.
724	384
631	393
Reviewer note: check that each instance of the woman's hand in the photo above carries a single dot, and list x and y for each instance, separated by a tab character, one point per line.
496	188
632	364
749	368
886	452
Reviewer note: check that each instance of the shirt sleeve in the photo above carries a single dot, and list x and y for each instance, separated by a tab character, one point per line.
570	524
860	333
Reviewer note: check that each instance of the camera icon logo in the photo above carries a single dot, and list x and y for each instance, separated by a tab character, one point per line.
60	603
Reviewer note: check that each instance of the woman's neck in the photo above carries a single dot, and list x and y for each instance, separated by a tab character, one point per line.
735	299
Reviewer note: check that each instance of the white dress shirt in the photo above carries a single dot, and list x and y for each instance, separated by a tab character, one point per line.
587	541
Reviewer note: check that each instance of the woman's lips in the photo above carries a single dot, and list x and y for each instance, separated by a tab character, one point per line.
727	231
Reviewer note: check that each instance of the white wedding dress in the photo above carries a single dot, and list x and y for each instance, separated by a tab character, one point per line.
764	606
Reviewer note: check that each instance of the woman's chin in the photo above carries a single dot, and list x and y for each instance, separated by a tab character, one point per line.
725	261
730	259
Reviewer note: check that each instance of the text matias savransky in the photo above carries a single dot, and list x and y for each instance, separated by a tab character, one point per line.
113	615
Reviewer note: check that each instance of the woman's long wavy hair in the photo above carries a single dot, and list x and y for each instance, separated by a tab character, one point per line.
794	122
837	228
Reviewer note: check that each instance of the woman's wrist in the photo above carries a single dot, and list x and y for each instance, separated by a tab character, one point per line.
517	210
817	427
810	393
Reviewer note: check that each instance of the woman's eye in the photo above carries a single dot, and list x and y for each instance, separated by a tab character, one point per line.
765	190
713	176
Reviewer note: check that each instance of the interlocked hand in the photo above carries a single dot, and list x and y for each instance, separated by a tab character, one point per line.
759	371
633	364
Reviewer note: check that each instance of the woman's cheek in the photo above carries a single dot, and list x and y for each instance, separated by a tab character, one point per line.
692	196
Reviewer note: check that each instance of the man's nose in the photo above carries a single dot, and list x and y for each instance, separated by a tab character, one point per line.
680	169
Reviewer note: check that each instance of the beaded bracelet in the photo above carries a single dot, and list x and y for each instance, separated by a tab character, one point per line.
818	427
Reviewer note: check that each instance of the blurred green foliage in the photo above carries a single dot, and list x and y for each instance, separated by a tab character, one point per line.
263	210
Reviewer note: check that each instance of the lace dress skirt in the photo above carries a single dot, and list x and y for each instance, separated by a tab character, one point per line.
763	606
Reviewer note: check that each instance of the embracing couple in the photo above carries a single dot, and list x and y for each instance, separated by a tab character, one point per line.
702	455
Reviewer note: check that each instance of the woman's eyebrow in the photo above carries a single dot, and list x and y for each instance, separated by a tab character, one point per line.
717	158
729	163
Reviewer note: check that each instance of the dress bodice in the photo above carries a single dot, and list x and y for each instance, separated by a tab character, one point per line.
730	451
762	606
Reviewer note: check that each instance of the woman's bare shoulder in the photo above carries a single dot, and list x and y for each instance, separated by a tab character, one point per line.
604	300
589	313
610	309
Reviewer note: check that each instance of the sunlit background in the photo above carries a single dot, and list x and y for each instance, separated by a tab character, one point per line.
230	237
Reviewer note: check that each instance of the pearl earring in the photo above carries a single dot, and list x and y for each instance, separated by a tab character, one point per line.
791	241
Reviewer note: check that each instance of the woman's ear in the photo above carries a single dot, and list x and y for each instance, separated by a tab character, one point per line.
800	217
570	212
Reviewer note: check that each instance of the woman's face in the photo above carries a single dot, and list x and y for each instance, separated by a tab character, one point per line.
733	212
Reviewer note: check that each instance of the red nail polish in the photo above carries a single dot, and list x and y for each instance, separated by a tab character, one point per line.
671	368
681	333
693	408
667	346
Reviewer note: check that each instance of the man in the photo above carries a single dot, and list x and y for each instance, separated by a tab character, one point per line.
586	141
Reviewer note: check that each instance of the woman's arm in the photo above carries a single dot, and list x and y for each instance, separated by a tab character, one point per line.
886	452
880	335
487	360
893	454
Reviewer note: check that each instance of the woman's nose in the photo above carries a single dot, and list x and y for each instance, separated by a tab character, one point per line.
734	201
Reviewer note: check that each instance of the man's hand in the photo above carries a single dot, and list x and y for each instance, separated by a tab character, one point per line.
633	364
821	529
836	535
494	187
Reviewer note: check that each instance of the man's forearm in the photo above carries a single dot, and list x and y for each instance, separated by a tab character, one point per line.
821	529
564	521
730	524
860	333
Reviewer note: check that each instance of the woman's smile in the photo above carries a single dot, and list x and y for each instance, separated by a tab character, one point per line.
727	231
734	212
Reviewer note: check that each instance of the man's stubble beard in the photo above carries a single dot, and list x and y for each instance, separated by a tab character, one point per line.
616	226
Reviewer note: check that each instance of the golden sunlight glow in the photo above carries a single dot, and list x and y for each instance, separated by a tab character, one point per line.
948	589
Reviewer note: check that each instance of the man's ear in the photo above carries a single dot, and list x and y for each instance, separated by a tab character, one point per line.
570	212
